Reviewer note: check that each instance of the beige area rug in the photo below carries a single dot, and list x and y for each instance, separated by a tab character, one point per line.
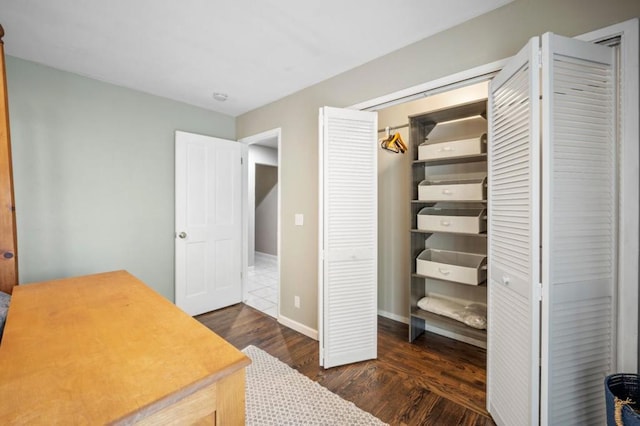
279	395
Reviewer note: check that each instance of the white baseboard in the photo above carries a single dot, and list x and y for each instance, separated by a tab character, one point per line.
312	333
394	317
270	256
300	328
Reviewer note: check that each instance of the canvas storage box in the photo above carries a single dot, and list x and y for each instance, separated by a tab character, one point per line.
453	148
466	268
467	221
459	187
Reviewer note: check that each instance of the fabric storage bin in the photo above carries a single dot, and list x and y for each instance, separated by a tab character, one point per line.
453	148
460	187
465	268
468	221
620	387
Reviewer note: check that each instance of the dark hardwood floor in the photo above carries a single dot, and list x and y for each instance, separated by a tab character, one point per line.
433	381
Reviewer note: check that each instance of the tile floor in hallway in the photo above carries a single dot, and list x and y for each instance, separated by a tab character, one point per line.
262	284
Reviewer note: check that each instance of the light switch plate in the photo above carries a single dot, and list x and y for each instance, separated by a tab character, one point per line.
299	219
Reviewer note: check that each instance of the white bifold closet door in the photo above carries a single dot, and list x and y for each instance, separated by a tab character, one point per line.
348	278
514	241
579	229
552	234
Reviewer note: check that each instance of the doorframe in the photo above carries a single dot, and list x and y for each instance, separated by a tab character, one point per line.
251	140
444	84
628	298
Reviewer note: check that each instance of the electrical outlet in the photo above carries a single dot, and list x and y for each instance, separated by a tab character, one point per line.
296	301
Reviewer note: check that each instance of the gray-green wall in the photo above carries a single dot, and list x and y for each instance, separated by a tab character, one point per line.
94	174
93	162
488	38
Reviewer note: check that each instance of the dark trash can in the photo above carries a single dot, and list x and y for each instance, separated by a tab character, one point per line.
622	393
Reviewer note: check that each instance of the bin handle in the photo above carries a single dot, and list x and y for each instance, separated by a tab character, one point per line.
444	271
445	223
617	410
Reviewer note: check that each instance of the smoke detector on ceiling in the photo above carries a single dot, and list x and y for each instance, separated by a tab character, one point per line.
221	97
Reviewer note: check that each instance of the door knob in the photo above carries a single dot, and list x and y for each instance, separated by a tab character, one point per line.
182	235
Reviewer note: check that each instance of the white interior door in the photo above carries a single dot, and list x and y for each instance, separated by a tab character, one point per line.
514	241
579	222
208	222
348	279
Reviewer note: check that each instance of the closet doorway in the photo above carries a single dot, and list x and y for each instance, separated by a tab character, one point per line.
393	171
395	179
261	271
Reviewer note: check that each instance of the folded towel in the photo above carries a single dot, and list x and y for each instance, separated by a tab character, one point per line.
472	314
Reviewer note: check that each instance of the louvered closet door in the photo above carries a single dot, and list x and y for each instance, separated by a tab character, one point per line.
348	236
514	236
579	230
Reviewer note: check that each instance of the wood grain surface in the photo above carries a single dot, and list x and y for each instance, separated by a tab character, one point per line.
104	348
8	238
433	381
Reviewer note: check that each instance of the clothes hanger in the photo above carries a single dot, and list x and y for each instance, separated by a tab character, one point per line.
399	143
387	144
393	142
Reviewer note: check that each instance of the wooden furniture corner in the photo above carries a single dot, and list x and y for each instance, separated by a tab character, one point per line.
8	240
107	349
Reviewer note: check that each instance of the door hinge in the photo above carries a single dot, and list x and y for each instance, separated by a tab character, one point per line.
539	58
539	291
241	160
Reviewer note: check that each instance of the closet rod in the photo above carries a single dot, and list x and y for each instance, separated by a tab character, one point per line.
393	128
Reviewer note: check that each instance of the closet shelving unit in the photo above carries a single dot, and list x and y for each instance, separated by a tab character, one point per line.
464	242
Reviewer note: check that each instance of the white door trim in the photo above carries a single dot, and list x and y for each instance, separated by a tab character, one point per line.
459	79
249	140
628	297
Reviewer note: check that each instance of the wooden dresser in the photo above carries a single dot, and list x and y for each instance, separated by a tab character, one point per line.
107	349
8	237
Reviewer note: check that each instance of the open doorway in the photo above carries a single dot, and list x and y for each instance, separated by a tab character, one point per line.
261	288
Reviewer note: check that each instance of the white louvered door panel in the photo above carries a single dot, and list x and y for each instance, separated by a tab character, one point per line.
579	223
514	236
348	234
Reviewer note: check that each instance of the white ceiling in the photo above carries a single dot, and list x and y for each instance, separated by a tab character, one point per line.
255	51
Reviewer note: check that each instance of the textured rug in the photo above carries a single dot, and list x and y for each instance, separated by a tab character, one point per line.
279	395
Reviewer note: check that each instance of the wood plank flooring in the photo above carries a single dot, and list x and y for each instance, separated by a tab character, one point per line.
433	381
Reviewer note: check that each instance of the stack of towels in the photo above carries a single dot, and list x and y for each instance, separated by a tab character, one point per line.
472	314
